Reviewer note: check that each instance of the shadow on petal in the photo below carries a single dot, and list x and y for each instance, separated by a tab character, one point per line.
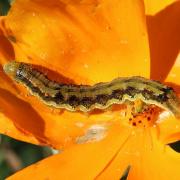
24	117
164	40
6	49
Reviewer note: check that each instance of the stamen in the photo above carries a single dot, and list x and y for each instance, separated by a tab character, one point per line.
145	118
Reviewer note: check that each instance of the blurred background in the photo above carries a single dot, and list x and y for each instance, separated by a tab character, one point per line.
15	155
4	6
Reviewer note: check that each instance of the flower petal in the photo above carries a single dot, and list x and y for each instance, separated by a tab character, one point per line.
24	125
84	161
148	159
163	31
79	40
6	49
168	129
154	6
174	74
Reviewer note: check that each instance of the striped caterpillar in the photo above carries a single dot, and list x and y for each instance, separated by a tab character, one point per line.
99	96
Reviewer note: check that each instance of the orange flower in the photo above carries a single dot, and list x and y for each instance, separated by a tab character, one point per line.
86	42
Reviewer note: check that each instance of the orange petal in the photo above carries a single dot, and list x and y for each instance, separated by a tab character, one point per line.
79	40
6	49
79	162
107	159
89	37
163	31
168	129
9	128
174	74
154	6
147	157
24	125
160	162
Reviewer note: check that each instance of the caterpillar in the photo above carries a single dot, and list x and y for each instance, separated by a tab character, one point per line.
86	98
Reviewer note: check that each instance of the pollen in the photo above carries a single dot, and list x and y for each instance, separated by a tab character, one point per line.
146	118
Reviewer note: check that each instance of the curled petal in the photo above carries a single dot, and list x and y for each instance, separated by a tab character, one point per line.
168	129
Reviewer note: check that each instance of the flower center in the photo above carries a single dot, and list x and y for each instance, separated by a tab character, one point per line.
142	115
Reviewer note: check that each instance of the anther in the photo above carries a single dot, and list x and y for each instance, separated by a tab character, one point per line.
134	124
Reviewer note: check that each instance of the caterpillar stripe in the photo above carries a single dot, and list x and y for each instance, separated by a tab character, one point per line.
85	98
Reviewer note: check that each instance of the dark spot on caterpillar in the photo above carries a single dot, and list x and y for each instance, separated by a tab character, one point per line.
167	89
147	94
117	94
59	98
131	91
87	101
73	101
162	98
35	89
102	99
